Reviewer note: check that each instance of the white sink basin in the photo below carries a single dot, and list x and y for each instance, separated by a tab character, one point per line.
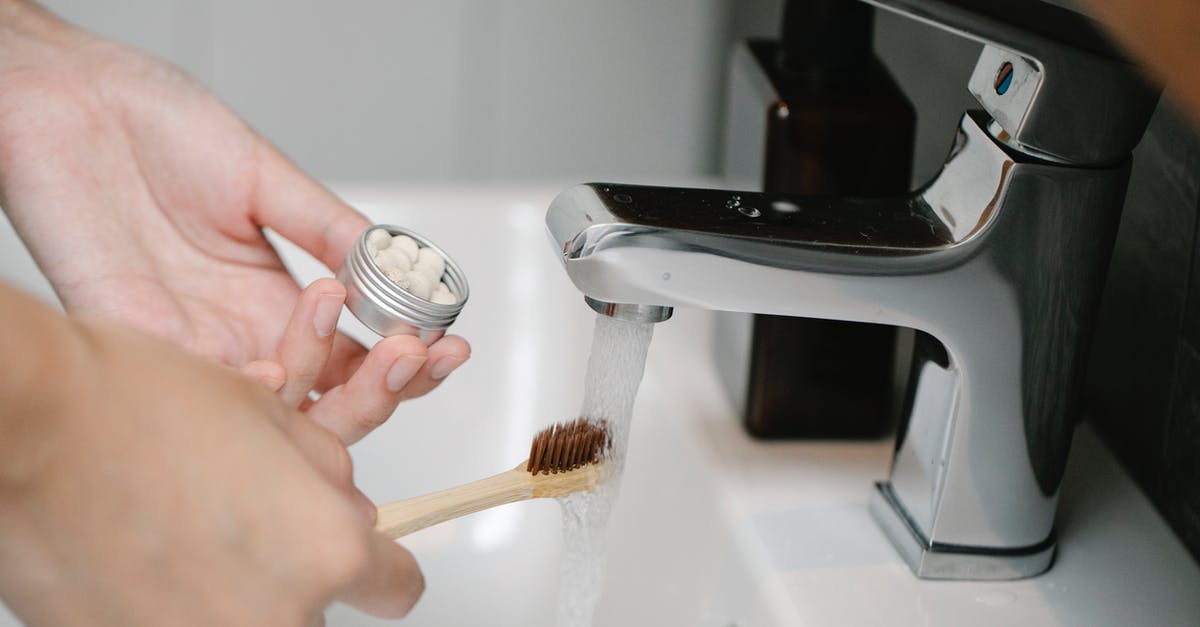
712	529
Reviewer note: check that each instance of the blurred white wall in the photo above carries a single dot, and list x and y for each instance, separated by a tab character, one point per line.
453	89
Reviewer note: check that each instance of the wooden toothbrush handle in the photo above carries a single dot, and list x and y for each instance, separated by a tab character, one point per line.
401	518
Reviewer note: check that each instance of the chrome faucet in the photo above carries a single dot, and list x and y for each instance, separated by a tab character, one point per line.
999	261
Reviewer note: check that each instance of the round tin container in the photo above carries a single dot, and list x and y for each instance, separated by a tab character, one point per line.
386	308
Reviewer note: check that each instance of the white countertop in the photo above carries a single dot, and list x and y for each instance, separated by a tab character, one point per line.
801	534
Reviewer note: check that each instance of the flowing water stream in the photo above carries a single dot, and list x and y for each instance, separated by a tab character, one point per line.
614	372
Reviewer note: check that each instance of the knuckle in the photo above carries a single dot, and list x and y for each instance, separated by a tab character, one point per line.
368	421
341	465
343	558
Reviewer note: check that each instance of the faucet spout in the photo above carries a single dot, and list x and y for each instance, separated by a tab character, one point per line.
745	251
1000	259
629	312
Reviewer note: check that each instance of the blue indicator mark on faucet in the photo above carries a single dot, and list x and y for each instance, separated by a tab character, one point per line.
1004	78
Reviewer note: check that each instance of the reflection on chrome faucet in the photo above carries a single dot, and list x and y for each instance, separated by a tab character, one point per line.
998	263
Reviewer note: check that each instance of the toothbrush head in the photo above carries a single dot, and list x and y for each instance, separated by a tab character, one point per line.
566	446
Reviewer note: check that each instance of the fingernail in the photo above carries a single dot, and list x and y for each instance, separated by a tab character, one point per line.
273	383
444	367
402	371
329	307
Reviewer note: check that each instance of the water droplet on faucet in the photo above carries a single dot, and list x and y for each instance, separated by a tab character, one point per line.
785	206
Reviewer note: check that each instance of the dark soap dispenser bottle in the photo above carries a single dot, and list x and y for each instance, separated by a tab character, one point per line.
841	125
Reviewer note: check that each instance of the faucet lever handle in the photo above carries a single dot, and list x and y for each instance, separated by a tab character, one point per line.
1054	84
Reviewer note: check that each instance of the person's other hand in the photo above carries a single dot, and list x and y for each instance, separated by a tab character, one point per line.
143	199
141	485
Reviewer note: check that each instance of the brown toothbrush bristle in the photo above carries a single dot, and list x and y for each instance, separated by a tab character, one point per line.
563	447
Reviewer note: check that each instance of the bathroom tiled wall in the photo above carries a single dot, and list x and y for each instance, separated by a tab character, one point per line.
452	90
1144	377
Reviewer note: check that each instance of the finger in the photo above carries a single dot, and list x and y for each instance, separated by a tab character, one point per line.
344	360
445	356
301	210
269	373
309	337
371	394
390	585
317	621
325	452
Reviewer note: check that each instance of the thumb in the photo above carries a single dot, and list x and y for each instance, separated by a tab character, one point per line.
391	584
303	211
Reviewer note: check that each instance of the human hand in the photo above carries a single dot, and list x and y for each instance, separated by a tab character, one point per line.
394	370
143	200
144	486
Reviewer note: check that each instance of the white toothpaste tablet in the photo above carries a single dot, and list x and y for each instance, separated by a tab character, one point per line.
443	296
377	240
397	276
430	263
392	258
419	284
407	245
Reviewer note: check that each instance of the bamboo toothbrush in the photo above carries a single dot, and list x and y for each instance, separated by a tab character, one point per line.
564	458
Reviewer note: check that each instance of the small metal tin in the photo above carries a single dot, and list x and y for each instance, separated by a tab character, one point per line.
386	308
